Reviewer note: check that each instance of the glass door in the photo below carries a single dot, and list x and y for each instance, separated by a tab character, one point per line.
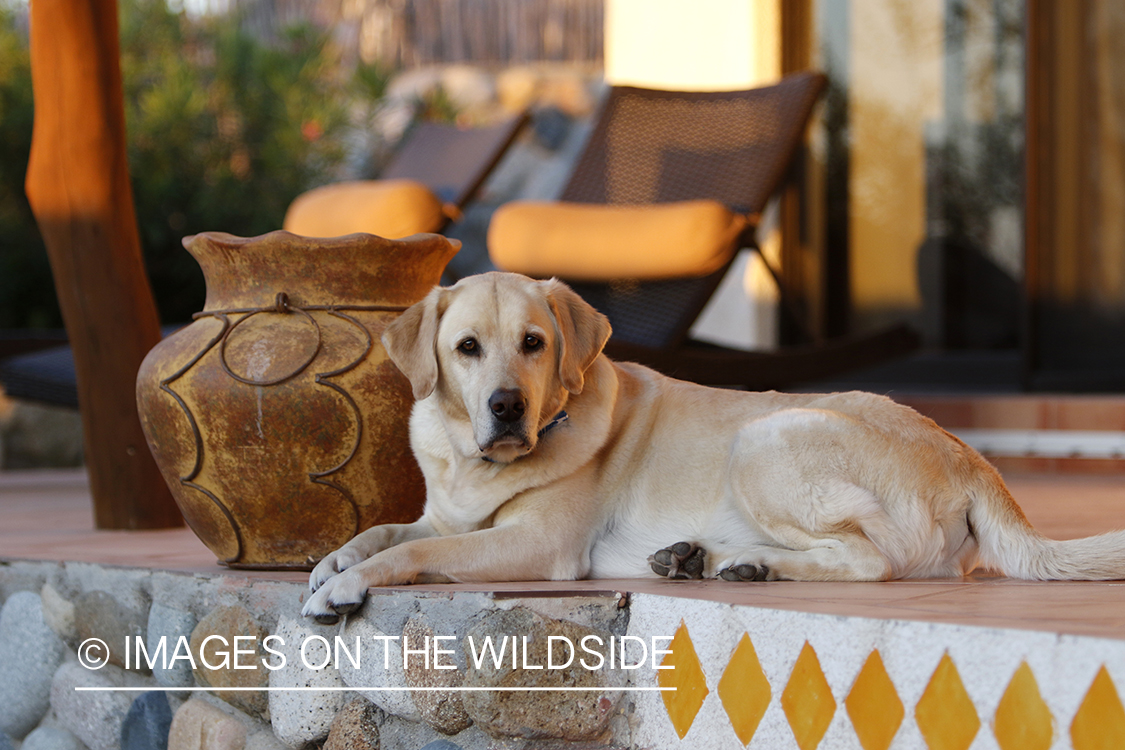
922	147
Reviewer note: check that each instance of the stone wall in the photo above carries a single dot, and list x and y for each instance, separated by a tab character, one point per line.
744	678
49	695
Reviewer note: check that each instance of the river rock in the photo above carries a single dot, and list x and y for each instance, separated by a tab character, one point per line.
227	623
100	616
378	669
570	716
147	723
30	651
171	624
58	613
198	725
356	727
444	711
95	717
50	738
264	740
299	717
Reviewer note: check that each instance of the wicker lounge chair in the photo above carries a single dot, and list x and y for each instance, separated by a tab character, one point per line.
430	180
671	185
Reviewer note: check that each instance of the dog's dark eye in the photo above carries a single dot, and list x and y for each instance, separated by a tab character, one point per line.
532	343
470	347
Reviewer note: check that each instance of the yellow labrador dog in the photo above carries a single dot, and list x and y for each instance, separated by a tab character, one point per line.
545	460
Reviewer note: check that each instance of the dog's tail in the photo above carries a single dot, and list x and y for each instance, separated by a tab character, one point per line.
1009	544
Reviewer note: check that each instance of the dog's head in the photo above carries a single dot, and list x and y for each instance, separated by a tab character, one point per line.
502	353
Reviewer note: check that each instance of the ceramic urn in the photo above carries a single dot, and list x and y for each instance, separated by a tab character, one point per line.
276	417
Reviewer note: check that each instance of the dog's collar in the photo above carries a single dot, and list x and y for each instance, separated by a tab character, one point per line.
558	419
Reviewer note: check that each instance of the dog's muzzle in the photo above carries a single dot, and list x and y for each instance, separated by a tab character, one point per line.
507	405
508	428
555	422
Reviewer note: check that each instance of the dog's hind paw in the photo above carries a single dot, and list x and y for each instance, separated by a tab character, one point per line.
745	572
683	560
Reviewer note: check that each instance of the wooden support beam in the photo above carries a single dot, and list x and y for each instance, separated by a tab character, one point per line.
78	187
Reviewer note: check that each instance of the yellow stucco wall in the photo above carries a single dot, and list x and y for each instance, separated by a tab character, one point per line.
711	45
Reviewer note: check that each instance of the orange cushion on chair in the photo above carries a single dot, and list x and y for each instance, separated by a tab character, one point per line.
387	208
594	242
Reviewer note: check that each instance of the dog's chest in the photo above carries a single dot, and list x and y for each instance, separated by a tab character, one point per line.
463	501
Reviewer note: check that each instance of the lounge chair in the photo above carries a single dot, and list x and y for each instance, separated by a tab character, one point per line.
671	185
436	172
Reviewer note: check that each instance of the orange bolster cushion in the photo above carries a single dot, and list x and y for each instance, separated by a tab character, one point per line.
593	242
387	208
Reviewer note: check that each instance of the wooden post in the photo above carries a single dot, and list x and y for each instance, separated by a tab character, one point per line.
78	187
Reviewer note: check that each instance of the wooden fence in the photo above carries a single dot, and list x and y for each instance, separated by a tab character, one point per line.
409	33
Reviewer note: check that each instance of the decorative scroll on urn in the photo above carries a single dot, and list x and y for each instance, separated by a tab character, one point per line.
276	417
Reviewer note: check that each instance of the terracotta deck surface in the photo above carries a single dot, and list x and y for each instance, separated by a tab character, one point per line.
47	516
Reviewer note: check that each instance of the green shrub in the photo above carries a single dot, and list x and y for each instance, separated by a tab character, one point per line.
224	131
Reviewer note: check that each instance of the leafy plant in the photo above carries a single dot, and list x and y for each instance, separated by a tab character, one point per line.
224	130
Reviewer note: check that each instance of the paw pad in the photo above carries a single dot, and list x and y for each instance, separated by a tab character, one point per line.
745	572
682	560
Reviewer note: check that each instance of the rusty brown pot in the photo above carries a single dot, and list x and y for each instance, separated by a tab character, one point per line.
276	417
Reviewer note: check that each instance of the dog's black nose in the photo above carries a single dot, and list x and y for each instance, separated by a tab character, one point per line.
507	404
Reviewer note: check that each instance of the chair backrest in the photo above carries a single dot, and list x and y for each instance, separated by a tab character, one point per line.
651	146
450	160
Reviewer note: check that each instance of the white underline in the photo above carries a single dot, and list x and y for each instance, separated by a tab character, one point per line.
373	689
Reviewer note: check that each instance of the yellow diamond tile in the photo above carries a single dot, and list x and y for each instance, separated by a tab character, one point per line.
1023	720
874	706
807	700
744	690
687	677
1099	723
945	714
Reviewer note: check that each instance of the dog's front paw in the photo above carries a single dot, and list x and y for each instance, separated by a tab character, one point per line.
682	560
333	563
323	570
340	595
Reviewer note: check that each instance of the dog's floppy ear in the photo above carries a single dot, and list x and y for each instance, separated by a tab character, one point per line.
410	342
583	332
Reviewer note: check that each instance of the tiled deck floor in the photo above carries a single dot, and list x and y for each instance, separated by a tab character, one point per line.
47	516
